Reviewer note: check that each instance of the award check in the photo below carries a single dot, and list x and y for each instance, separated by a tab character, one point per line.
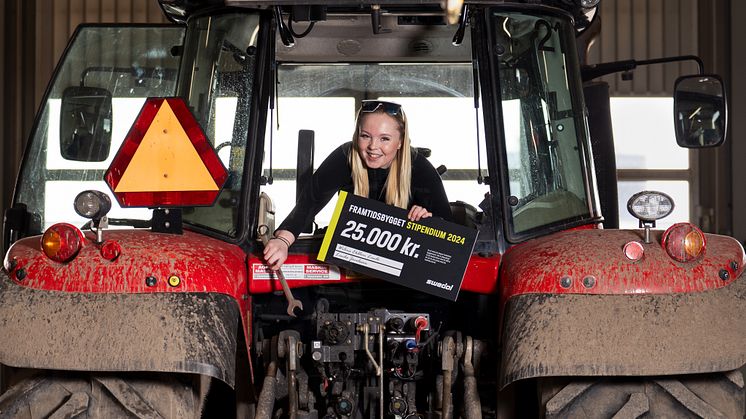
376	239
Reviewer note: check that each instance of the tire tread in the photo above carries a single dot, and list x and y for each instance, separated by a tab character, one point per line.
714	395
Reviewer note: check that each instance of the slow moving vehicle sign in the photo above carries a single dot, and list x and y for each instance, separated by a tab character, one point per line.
166	160
376	239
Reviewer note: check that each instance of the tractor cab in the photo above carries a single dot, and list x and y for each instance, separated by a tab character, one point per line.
503	117
163	155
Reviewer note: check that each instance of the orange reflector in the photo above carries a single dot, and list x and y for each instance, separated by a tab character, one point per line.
61	242
684	242
694	242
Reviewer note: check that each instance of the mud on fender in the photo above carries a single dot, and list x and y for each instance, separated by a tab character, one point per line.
165	332
609	335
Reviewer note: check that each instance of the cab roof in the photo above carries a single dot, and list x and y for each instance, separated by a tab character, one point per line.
179	10
583	11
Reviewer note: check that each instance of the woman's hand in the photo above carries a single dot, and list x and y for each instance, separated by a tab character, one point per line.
416	213
276	250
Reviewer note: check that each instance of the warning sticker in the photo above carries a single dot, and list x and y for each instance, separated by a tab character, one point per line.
298	272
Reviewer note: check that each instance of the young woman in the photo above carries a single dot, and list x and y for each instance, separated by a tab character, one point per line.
379	164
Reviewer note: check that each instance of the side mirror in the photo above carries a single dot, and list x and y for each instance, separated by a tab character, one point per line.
85	124
700	111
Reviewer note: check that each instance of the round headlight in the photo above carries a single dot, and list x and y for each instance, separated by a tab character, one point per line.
61	242
684	242
648	206
92	204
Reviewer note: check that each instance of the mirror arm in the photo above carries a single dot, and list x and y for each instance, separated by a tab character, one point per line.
597	70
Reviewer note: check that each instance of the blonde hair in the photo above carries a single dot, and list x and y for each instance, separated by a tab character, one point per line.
399	180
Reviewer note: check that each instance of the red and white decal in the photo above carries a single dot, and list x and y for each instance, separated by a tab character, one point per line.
298	272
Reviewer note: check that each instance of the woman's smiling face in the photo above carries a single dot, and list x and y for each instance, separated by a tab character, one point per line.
379	140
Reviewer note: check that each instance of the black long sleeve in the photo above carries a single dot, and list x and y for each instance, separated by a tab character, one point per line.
427	188
334	174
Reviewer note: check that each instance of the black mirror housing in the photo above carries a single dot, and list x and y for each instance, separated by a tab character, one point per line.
85	124
700	111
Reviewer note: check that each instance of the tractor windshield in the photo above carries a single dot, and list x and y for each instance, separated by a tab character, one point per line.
100	87
323	97
98	90
544	128
217	80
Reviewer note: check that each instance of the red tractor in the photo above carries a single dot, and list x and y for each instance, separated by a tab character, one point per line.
134	283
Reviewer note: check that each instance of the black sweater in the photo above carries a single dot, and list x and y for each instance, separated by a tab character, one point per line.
335	174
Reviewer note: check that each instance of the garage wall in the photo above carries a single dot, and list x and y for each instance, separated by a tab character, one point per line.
16	88
737	122
645	29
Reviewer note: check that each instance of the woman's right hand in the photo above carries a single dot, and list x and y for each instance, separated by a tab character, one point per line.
276	250
416	213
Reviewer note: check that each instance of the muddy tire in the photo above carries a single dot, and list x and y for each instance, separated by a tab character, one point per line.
88	395
717	395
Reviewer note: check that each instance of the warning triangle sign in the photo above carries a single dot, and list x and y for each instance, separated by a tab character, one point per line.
165	160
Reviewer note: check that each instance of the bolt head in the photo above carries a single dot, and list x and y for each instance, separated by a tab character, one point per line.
589	281
566	282
724	275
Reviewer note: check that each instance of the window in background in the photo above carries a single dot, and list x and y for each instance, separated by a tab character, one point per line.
647	156
332	120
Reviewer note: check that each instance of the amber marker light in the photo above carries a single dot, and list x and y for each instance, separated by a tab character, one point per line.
61	242
684	242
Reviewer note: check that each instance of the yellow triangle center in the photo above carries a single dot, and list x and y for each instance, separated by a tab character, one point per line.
166	160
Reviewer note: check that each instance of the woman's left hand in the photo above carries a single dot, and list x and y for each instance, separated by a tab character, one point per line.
416	213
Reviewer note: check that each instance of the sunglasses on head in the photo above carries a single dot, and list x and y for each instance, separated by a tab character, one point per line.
390	108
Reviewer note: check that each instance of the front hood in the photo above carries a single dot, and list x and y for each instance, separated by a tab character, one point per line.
146	262
592	262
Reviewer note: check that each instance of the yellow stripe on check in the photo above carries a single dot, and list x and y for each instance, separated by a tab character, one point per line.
332	226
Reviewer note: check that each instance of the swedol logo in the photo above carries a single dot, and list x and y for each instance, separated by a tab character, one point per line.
437	284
